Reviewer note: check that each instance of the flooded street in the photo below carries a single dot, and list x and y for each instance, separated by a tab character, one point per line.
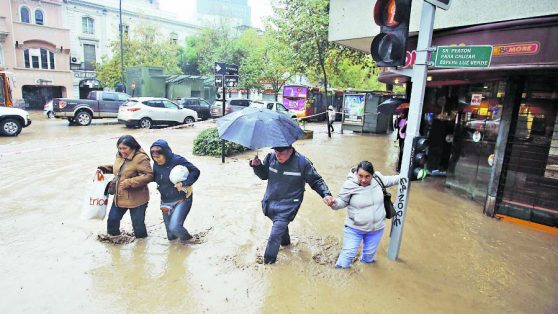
453	258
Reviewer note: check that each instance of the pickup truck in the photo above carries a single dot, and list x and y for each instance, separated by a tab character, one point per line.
97	105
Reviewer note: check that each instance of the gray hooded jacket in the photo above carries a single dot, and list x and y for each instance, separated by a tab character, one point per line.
365	204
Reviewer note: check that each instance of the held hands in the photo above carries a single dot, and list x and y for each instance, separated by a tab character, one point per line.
329	200
255	162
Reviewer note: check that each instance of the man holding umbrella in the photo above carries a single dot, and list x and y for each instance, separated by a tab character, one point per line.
286	172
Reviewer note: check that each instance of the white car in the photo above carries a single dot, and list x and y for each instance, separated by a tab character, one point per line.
13	120
145	112
275	106
48	110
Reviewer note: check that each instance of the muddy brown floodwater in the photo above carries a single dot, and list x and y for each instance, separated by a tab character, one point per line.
453	258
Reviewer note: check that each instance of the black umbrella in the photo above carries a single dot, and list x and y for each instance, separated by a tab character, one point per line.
389	105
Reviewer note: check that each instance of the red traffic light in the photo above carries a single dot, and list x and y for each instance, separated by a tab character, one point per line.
388	48
391	12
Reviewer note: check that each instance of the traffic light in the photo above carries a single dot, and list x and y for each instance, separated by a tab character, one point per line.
419	156
389	47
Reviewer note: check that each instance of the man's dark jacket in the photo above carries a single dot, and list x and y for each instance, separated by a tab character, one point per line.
285	184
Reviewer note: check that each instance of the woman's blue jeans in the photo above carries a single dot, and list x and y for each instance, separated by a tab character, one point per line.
351	241
175	222
137	214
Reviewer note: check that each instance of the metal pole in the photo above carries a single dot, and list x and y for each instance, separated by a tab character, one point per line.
415	111
121	45
223	141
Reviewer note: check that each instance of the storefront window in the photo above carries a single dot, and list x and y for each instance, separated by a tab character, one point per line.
476	113
531	182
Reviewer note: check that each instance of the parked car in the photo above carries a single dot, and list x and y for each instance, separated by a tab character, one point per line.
197	104
275	106
47	109
231	105
145	112
13	120
99	104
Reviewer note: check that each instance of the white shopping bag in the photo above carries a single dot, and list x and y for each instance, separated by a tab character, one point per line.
96	199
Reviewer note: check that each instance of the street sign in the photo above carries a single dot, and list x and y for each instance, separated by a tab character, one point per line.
218	81
463	56
231	80
222	68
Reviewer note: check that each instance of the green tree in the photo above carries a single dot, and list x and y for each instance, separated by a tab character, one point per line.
304	25
145	47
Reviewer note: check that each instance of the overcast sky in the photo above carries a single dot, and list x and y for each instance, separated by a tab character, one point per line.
185	9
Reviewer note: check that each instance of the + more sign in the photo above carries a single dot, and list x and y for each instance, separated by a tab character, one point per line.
463	56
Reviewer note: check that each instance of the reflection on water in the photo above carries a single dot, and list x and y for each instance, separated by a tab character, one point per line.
453	259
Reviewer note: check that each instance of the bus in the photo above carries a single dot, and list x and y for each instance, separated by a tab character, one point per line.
295	98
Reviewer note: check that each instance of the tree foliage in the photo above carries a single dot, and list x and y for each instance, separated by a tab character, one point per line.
144	47
303	25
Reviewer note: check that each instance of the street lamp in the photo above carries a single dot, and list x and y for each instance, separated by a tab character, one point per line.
121	45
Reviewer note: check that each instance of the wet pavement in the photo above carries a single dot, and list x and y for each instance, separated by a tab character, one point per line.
453	258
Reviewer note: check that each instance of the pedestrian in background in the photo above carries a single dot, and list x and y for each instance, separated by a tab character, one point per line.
331	118
401	127
286	172
132	171
176	199
363	196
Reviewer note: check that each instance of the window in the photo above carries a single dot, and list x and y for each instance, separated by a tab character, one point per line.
173	38
281	108
51	59
155	104
38	58
89	57
122	97
109	96
270	106
39	17
240	102
24	14
169	105
87	25
44	59
205	104
26	57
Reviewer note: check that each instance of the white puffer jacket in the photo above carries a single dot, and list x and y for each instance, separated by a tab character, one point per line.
365	204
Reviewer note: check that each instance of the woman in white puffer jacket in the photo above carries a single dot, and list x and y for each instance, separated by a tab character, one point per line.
364	199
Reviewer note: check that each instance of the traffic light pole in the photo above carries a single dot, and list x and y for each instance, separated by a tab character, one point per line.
418	78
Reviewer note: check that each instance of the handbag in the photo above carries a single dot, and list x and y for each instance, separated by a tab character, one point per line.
111	186
388	204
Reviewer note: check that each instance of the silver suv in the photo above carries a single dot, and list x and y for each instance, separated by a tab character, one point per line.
231	105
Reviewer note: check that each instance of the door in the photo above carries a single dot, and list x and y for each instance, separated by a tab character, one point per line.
156	110
109	104
172	112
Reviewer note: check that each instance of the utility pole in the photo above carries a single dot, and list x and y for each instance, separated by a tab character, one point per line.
121	45
418	76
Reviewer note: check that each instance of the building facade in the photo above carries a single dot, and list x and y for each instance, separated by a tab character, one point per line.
95	24
494	130
35	50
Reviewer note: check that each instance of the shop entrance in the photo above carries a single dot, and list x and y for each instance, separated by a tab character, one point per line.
37	96
530	185
88	85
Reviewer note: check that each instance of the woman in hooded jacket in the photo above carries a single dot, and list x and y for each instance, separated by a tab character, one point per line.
132	171
176	199
363	196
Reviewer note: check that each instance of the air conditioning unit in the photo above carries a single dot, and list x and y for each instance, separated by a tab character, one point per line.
75	60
